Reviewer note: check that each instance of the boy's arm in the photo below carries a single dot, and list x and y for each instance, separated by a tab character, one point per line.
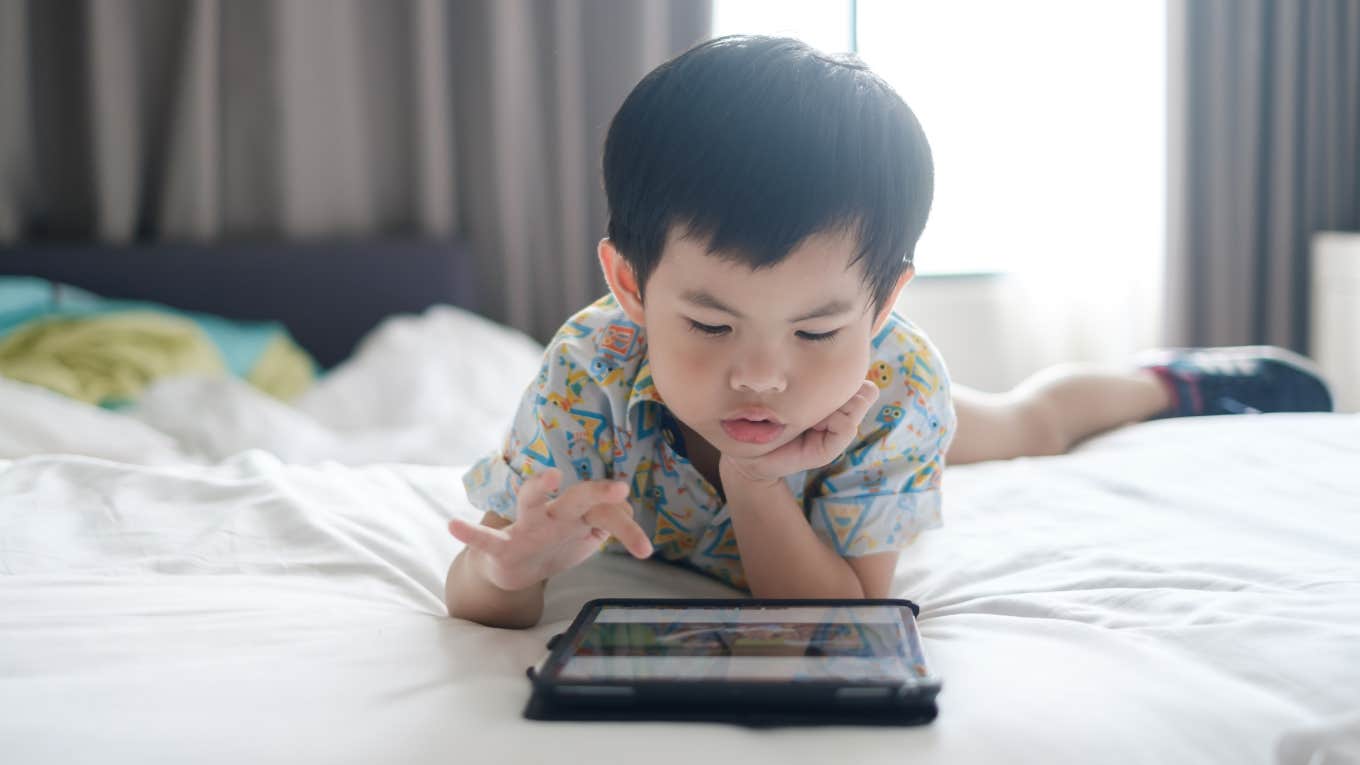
469	595
784	558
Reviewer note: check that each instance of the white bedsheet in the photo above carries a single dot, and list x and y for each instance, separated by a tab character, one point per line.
1177	592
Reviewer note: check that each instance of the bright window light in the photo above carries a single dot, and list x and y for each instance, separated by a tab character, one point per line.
1045	118
823	24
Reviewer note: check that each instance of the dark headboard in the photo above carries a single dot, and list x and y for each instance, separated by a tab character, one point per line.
327	295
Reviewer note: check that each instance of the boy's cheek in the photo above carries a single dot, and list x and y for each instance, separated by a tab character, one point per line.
683	375
689	362
838	378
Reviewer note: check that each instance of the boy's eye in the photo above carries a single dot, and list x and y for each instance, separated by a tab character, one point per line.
709	329
818	336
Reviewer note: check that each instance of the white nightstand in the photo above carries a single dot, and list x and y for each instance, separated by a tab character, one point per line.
1335	332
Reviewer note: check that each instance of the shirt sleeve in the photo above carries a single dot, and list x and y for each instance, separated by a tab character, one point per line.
562	422
885	489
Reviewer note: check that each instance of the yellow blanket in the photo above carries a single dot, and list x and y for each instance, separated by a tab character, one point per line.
110	359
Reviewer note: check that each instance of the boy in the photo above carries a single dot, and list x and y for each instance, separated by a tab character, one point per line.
745	402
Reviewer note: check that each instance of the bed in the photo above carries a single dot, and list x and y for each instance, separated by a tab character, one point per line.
215	576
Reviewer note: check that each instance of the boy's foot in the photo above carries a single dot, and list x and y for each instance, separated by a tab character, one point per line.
1243	380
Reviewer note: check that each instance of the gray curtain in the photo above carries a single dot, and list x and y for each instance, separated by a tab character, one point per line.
329	119
1263	150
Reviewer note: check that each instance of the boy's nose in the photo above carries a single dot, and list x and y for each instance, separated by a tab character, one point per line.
759	374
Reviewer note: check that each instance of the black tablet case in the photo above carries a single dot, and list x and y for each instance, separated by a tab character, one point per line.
541	706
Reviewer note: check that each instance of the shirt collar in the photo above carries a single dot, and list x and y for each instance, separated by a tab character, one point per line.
644	389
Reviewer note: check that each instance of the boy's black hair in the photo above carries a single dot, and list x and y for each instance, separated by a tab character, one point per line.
754	143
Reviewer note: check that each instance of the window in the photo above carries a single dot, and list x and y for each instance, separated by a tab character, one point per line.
1046	119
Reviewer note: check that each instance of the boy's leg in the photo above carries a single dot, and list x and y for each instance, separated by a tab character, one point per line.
1051	411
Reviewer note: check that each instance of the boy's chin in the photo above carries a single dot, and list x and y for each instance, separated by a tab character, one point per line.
734	448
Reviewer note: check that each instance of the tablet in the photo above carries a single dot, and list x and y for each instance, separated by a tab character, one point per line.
753	662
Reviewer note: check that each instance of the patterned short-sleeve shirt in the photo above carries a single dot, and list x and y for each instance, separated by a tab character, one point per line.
594	413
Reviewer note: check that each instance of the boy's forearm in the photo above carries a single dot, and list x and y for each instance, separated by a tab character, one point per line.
780	554
468	595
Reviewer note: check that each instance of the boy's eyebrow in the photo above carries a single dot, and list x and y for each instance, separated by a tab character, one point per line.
703	299
830	309
706	300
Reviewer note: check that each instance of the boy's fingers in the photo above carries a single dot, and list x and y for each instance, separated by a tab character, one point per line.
577	500
536	490
863	399
484	538
847	418
617	519
853	409
870	391
841	425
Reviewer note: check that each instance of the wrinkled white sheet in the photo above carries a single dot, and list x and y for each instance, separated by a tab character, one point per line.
1176	592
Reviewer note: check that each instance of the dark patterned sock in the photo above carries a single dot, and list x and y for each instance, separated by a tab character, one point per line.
1240	380
1186	400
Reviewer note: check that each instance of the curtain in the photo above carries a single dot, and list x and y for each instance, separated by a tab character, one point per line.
1263	150
331	119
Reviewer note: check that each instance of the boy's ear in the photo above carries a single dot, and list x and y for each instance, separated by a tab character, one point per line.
892	299
622	281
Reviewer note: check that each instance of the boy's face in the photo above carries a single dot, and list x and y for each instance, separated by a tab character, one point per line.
749	359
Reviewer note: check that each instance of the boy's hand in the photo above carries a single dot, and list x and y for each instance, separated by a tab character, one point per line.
813	448
550	536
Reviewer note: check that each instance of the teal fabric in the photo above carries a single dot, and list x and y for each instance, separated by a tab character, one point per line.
25	298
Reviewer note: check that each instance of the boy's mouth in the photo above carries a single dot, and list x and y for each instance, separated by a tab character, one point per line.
753	426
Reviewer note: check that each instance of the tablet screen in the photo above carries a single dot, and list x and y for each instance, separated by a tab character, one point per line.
856	643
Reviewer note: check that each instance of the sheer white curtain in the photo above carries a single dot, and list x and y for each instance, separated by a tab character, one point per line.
1047	124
